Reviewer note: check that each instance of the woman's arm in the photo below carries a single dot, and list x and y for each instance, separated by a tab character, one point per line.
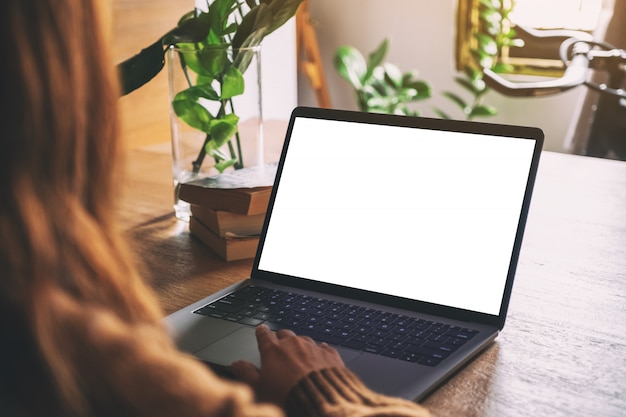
308	379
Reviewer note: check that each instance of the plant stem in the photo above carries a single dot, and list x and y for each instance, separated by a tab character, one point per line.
183	65
197	163
239	158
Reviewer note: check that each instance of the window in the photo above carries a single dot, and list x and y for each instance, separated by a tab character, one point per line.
557	14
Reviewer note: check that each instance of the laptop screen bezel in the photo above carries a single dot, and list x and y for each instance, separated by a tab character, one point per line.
490	129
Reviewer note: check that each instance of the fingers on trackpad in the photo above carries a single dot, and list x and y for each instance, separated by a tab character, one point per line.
242	345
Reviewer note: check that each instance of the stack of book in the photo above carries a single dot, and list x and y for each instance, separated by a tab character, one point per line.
229	221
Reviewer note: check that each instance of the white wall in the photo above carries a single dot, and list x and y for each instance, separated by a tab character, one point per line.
279	73
422	34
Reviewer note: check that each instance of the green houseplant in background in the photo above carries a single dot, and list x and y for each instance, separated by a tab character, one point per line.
379	86
494	32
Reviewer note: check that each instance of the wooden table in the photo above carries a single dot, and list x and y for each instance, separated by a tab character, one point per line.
563	349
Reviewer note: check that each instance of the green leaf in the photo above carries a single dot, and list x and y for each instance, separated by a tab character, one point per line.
361	100
231	118
423	88
244	56
246	27
441	113
214	150
350	64
205	91
187	107
378	76
141	68
487	62
483	59
222	161
475	86
252	30
281	11
473	73
491	15
482	110
410	77
491	4
222	165
197	92
422	94
213	60
223	129
232	83
502	67
379	103
403	111
466	84
375	89
191	14
456	99
190	29
188	56
218	16
407	94
492	21
264	19
376	58
393	75
230	29
487	44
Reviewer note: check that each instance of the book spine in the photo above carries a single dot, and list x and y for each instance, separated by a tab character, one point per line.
222	222
229	249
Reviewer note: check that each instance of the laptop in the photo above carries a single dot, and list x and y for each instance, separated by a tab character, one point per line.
395	239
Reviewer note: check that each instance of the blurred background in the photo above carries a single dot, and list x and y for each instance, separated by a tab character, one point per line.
424	36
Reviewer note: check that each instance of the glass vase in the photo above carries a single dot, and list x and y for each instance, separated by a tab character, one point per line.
216	114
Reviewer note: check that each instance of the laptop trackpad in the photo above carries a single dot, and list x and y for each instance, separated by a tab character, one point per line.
242	344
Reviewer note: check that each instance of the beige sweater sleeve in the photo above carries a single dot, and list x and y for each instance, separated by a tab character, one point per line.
340	393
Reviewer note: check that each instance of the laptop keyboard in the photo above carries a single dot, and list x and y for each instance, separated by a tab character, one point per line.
342	324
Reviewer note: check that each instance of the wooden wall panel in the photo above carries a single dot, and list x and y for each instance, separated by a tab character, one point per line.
137	24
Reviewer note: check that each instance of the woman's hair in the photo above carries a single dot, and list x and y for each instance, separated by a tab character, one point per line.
59	166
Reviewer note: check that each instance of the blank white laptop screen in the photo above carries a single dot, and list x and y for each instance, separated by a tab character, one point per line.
415	213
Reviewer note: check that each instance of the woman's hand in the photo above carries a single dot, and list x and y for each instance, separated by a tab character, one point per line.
285	359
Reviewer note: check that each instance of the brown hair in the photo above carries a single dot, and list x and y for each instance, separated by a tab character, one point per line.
59	165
